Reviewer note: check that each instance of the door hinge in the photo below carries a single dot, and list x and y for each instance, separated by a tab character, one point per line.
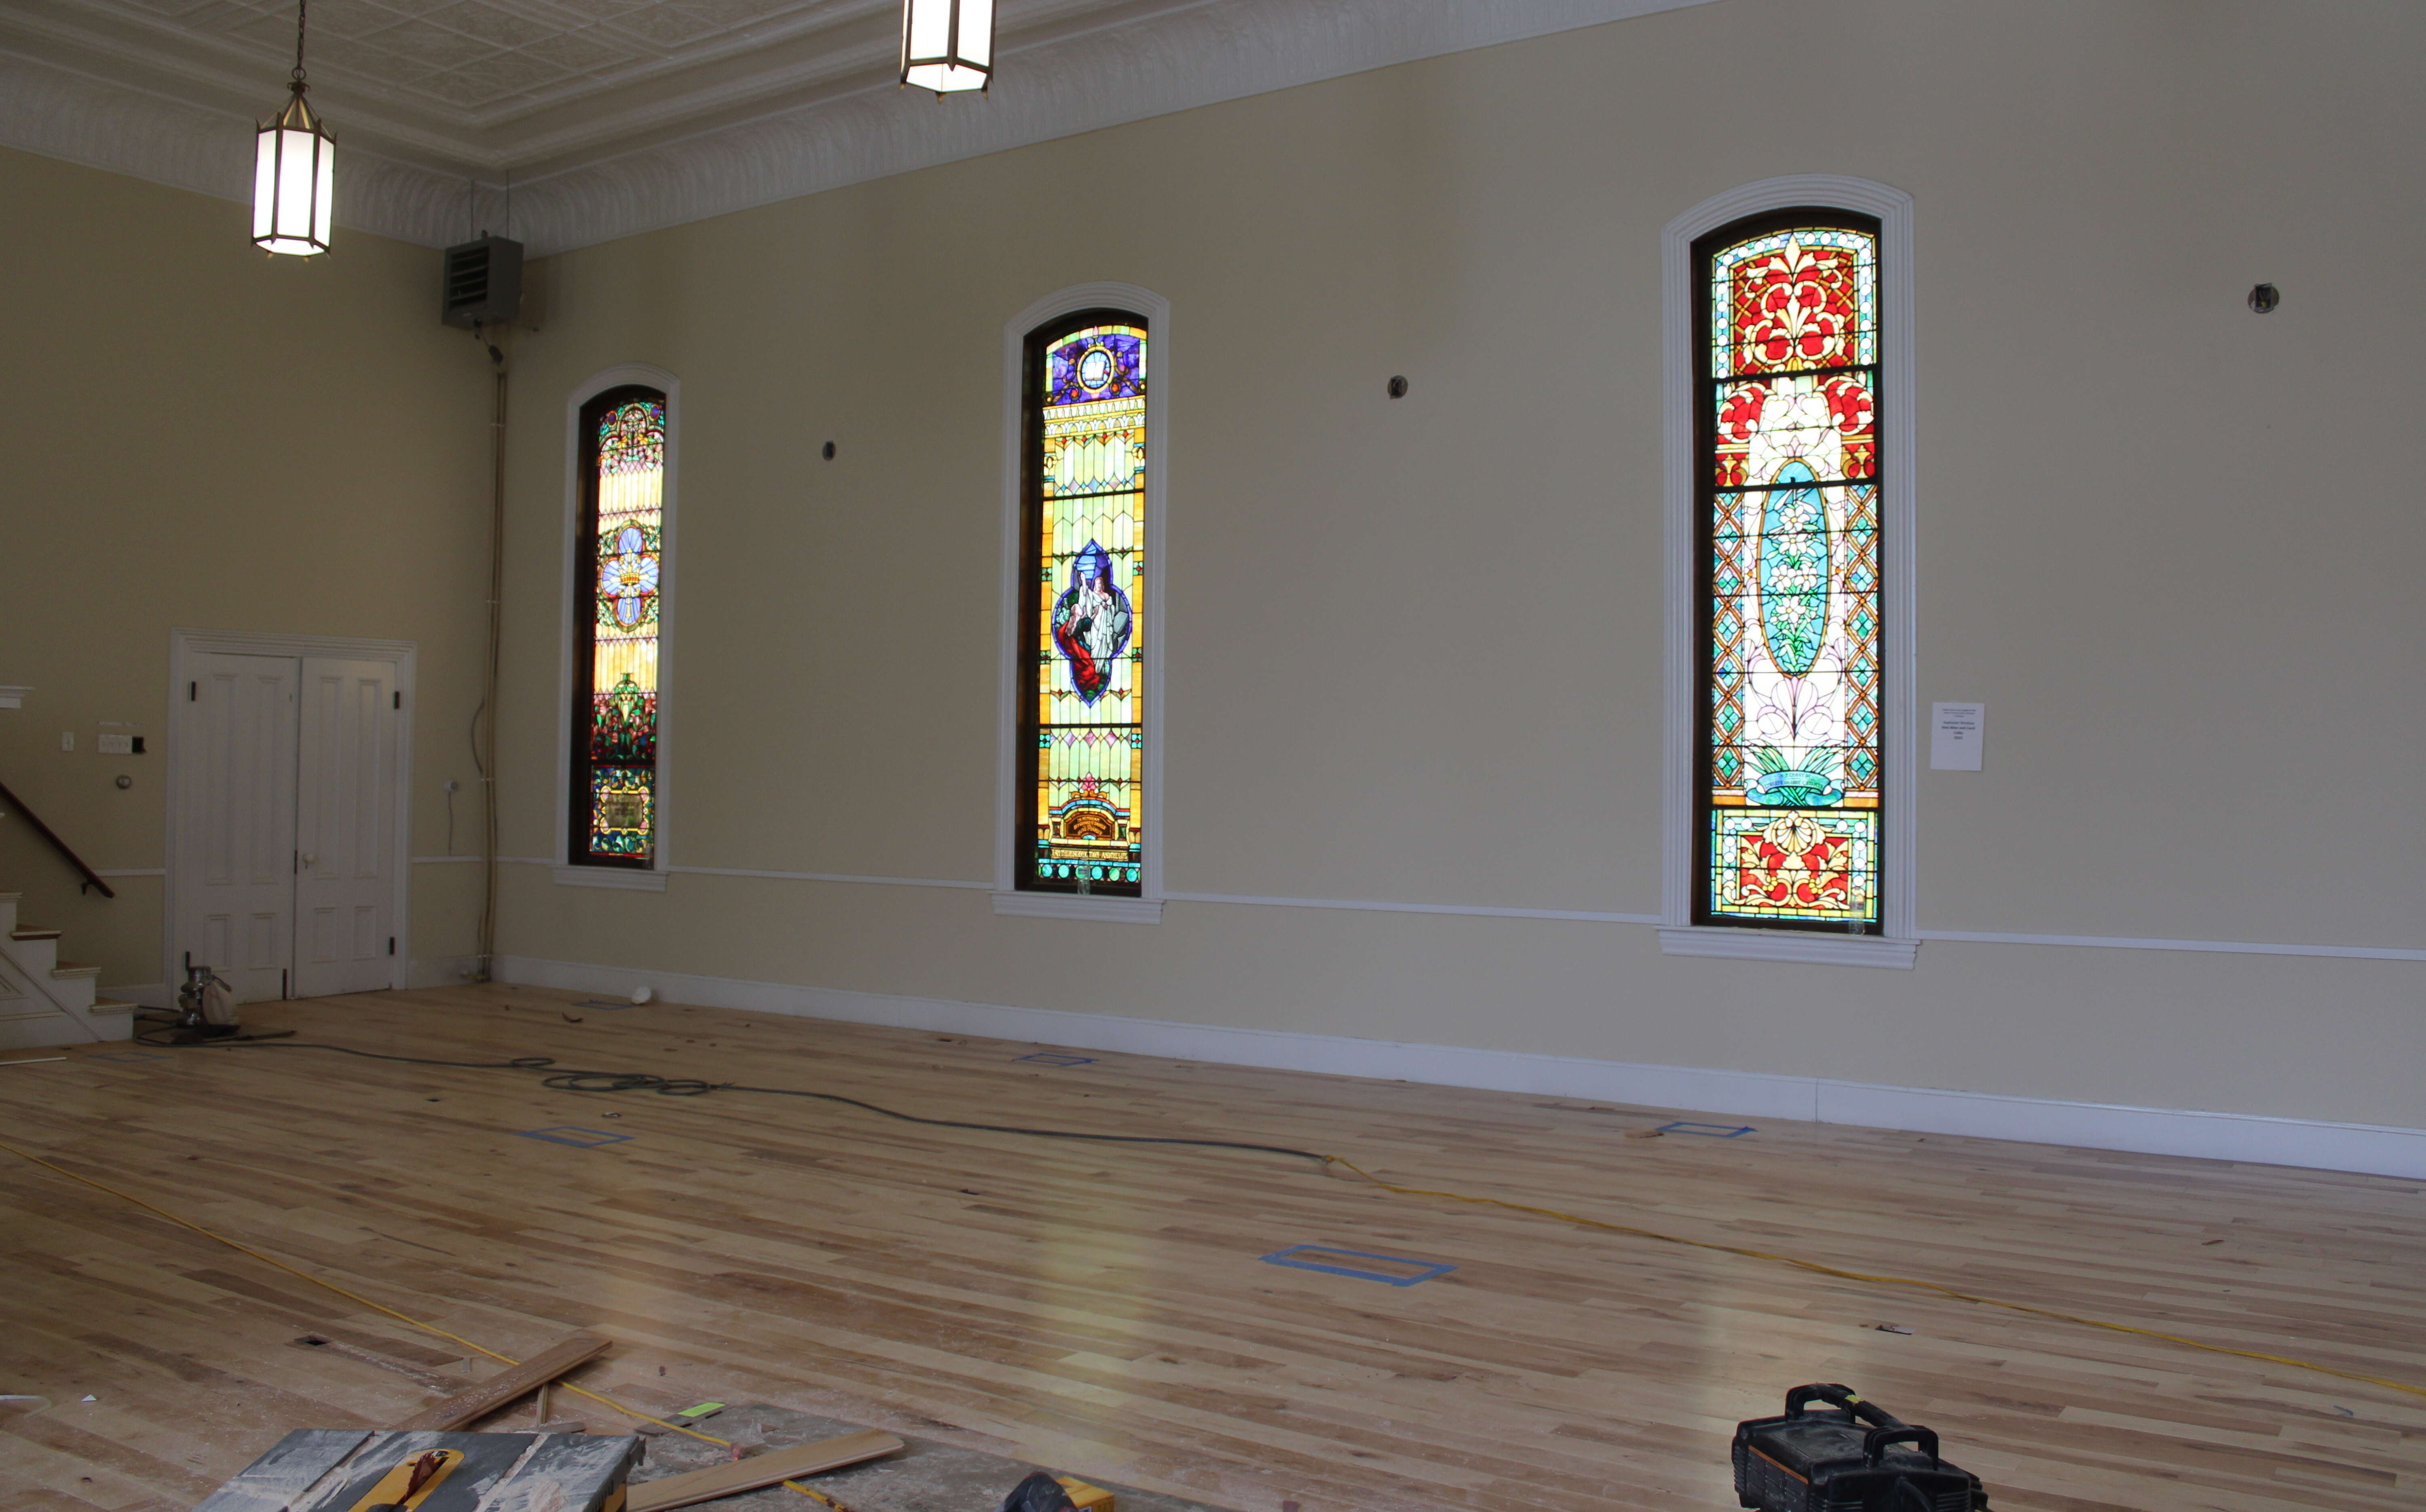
296	862
399	698
193	693
390	945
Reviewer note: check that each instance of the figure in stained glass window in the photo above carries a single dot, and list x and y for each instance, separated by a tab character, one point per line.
1083	720
615	707
1791	745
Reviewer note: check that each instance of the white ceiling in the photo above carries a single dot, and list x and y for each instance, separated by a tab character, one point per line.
609	117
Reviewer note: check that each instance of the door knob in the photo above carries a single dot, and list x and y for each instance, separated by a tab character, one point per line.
309	858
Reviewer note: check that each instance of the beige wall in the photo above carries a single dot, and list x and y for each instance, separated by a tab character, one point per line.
204	436
1414	648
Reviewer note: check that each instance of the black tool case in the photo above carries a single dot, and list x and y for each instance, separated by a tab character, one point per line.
1849	1456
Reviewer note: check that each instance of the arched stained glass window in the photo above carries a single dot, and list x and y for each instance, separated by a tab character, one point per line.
1082	736
618	561
1792	739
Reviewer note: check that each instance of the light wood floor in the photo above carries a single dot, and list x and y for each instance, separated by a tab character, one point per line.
1102	1309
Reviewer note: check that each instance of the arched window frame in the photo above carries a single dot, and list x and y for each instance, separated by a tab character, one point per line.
1016	635
575	644
1895	944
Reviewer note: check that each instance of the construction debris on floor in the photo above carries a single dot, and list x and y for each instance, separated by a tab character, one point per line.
353	1470
853	1469
926	1476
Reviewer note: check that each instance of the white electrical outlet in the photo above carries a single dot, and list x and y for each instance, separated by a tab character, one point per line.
110	745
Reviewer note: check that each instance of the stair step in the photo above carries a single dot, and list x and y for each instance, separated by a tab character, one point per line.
75	967
35	934
41	1009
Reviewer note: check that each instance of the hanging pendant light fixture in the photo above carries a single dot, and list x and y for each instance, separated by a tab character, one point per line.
948	46
291	177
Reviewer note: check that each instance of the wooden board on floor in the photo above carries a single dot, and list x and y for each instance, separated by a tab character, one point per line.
509	1385
760	1470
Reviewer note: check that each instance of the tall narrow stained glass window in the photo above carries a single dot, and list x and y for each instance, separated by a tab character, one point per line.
619	558
1082	738
1791	730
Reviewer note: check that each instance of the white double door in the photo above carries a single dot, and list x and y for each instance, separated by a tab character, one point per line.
285	816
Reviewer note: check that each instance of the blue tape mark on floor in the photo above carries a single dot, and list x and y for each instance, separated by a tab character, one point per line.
1048	1057
130	1054
1425	1269
590	1138
1714	1131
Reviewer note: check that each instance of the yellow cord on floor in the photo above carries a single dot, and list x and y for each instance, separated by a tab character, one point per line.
400	1317
1745	1253
1880	1280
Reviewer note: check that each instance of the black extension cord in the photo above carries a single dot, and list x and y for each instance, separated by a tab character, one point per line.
580	1081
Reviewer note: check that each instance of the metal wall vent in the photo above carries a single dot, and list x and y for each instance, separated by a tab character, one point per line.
484	284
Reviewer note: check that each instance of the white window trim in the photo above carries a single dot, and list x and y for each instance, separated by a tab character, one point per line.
1897	943
566	873
1008	898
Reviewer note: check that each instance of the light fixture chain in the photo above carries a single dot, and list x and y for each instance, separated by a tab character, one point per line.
298	40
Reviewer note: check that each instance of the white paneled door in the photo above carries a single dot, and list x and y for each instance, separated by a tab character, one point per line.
345	829
286	823
236	821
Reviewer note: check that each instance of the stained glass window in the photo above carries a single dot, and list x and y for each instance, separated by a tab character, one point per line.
1083	723
620	561
1791	738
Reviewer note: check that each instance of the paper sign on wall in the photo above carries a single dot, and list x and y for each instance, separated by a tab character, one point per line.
1954	731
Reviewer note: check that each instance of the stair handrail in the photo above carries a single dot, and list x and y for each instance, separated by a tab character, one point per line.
91	877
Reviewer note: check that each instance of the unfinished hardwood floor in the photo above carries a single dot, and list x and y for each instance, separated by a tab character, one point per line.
1102	1309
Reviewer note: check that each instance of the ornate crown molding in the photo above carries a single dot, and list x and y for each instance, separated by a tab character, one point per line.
1175	60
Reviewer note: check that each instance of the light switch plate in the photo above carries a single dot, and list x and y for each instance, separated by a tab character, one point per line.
110	745
67	740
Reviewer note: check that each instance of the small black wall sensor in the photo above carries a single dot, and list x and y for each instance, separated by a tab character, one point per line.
2264	296
829	450
1399	387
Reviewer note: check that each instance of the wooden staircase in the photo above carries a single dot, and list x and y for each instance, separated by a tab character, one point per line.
46	1000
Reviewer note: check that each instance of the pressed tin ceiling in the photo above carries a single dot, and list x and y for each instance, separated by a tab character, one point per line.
609	117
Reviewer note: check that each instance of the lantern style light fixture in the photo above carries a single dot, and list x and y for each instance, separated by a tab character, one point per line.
291	176
948	46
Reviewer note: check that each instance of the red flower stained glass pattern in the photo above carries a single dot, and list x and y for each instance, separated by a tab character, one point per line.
1797	300
1793	747
1799	863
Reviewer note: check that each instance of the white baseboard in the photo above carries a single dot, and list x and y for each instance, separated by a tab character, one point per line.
2249	1138
439	971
